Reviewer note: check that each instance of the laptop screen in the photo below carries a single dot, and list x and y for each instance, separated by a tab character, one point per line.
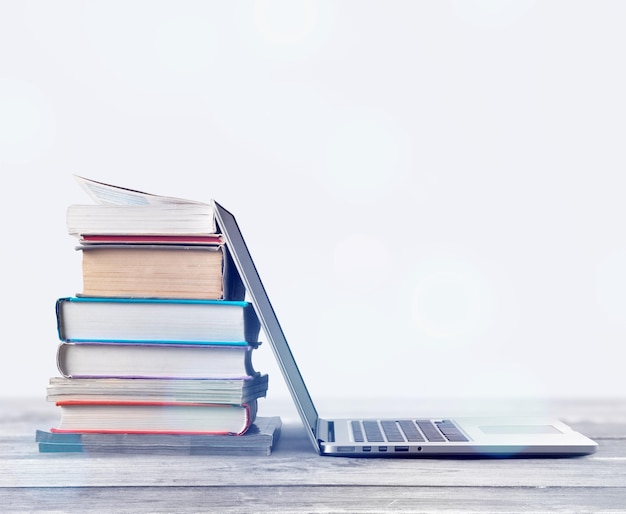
273	331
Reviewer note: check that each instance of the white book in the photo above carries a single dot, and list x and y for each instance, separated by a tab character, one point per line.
119	210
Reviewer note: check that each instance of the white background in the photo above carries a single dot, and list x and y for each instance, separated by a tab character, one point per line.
433	192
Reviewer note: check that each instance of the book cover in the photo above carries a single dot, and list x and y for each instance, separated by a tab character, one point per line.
100	319
155	239
215	390
129	417
126	360
259	439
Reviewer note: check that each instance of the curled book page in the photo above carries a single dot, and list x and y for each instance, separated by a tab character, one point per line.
102	193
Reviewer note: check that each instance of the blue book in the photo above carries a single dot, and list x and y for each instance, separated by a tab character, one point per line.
156	321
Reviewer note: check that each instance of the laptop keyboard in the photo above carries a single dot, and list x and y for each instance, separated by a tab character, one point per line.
407	430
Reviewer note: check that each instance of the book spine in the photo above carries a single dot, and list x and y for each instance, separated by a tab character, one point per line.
150	342
60	318
106	299
234	288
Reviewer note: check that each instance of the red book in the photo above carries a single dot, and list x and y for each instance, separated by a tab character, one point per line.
216	239
132	417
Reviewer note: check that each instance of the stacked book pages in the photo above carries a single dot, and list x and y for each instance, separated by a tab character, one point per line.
156	352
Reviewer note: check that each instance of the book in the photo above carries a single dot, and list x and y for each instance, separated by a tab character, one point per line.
154	360
125	211
183	219
224	390
129	417
156	350
160	271
133	320
156	239
259	439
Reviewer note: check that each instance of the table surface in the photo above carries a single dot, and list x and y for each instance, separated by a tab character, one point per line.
295	479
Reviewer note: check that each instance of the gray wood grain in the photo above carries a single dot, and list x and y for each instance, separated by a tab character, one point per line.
295	479
313	499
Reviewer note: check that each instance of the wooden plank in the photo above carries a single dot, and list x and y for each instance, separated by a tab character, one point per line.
315	499
295	478
294	463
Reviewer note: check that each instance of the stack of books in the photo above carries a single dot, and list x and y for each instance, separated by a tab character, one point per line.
156	351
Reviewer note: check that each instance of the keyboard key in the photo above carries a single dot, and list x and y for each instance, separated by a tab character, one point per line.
392	432
411	432
357	433
430	431
450	430
372	431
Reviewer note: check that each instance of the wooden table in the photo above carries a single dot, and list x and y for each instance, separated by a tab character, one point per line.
295	479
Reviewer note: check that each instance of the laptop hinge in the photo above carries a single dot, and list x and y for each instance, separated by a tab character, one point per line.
326	431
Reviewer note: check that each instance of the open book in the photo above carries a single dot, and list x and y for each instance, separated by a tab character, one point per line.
118	211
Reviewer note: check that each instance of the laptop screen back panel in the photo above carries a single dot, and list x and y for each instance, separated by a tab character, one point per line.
271	327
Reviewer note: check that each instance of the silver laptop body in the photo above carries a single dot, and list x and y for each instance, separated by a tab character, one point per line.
411	436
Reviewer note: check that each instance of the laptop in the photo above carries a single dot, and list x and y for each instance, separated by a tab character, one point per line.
411	436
